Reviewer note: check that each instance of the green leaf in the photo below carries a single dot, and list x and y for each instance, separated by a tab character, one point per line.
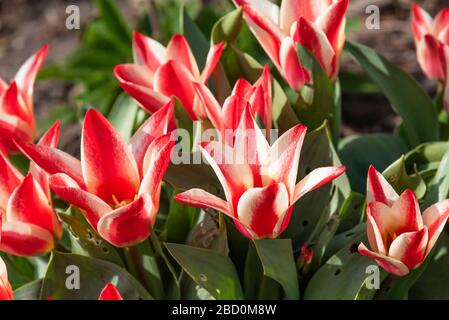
351	212
407	97
29	291
228	27
209	269
359	152
94	275
65	114
438	188
198	42
276	256
396	174
123	115
85	240
342	277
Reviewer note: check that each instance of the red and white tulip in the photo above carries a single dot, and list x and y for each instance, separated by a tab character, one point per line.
16	103
116	185
399	236
159	72
228	117
260	186
318	25
5	287
30	224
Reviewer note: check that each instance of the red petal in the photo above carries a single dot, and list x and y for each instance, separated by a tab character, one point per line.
109	168
331	21
12	103
92	206
128	225
211	106
150	100
421	21
25	239
213	57
441	22
157	125
10	178
147	51
292	10
174	79
435	218
378	188
290	65
135	74
5	287
179	50
429	57
262	210
110	292
202	199
282	161
390	265
29	204
410	248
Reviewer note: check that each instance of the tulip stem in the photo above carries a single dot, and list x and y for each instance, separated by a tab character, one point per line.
136	260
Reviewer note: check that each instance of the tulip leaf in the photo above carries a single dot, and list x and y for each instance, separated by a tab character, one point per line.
61	281
211	270
29	291
276	256
407	97
396	174
438	188
85	240
123	115
195	37
359	152
342	277
351	212
228	27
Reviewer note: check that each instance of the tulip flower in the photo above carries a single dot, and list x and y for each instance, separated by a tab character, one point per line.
30	225
116	185
399	236
16	103
158	73
260	187
318	25
227	118
5	287
431	35
110	292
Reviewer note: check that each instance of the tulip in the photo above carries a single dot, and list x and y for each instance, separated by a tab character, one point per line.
227	118
30	225
110	292
431	35
16	103
260	188
318	25
446	87
5	287
116	185
158	73
399	236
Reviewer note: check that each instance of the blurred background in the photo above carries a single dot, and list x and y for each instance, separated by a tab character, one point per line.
79	66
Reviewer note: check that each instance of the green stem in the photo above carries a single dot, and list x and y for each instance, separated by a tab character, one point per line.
136	261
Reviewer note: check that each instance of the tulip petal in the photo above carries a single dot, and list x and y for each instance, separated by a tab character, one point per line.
378	188
155	164
150	100
282	161
213	57
331	21
174	79
410	248
441	21
429	53
109	168
314	39
316	179
266	8
12	104
390	265
130	224
243	88
10	178
25	239
157	125
5	287
179	50
53	161
292	10
290	65
13	128
202	199
375	238
263	209
147	51
233	108
211	106
135	74
67	188
110	292
29	204
434	219
27	73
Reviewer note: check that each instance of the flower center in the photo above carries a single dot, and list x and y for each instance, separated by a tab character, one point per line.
118	204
